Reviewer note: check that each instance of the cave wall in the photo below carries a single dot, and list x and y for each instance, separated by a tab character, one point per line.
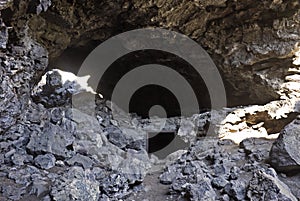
251	42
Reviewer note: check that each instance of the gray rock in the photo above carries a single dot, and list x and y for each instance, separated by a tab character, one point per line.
23	175
79	159
13	192
257	148
219	182
225	198
46	161
201	191
21	157
76	184
52	139
234	173
118	138
43	6
3	35
169	174
115	184
265	185
40	188
57	115
284	154
236	189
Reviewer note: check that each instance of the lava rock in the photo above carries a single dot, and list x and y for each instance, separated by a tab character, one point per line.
234	173
169	175
76	184
219	182
236	189
57	114
13	192
21	157
201	191
52	139
40	188
265	185
46	161
118	139
3	35
257	148
79	159
284	154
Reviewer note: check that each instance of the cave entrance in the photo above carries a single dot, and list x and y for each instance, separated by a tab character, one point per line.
147	96
145	99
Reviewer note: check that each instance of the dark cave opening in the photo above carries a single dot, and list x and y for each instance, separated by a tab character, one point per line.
149	96
144	99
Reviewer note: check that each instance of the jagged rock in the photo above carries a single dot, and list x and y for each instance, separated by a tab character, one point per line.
46	161
21	157
43	6
118	138
52	139
53	93
40	188
79	159
236	189
57	115
9	105
284	154
115	184
13	192
3	35
253	55
257	148
57	88
169	174
219	182
201	191
265	185
76	184
24	175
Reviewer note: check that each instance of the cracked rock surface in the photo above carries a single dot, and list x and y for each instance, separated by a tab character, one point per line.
51	150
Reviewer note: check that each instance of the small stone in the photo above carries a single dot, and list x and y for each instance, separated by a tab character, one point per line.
234	173
236	189
201	191
219	182
79	159
225	198
40	188
118	139
46	161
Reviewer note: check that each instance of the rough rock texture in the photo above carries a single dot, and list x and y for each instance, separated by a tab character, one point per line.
217	170
49	151
252	42
284	154
265	185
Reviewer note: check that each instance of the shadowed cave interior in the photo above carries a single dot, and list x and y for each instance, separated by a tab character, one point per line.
148	96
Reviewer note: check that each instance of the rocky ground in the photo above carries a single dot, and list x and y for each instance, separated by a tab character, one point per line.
63	153
53	148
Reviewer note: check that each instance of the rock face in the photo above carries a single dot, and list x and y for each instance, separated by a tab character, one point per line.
284	154
51	151
257	50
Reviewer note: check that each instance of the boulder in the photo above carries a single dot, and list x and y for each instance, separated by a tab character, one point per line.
284	154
